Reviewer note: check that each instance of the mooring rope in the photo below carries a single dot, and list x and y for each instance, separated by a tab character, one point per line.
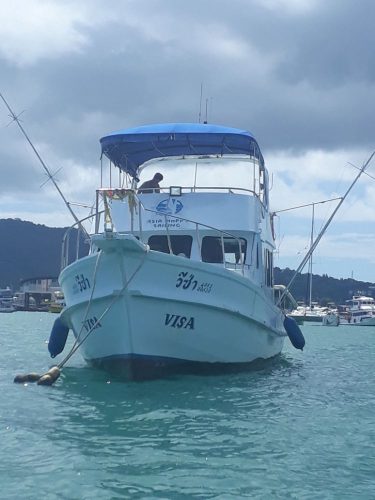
54	372
60	365
77	344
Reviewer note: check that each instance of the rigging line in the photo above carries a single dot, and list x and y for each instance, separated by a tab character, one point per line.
52	175
15	118
358	168
83	205
320	235
307	205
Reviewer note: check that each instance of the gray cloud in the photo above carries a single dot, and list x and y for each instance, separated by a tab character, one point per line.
297	80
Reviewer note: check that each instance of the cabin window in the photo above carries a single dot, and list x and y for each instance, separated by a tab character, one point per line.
268	267
212	249
180	244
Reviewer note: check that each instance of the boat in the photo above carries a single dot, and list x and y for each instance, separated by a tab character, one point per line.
179	279
35	294
311	314
57	302
359	311
6	300
331	318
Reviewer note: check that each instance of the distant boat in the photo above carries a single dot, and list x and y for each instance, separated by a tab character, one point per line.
180	279
310	314
6	300
57	303
359	311
331	318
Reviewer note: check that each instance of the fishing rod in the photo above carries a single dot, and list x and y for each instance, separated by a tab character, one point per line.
49	175
323	230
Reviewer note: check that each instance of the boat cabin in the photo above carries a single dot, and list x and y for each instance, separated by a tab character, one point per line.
212	205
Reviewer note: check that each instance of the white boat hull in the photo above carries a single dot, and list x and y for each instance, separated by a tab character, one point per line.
366	321
331	319
7	309
143	312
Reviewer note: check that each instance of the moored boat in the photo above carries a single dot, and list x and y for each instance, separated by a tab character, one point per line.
6	300
359	311
310	314
331	318
179	278
57	302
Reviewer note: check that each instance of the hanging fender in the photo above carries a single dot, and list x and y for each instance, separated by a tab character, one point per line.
294	333
57	338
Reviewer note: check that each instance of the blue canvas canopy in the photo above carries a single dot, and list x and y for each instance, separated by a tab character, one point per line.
130	148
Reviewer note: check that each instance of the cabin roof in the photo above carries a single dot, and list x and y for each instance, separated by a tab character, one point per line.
129	148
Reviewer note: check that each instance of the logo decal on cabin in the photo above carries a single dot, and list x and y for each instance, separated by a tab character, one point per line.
176	321
170	206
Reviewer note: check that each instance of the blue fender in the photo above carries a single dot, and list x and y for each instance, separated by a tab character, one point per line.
294	333
57	338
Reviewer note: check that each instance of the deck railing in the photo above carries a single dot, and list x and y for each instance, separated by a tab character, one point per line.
136	210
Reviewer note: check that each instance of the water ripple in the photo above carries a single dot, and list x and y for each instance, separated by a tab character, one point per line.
298	427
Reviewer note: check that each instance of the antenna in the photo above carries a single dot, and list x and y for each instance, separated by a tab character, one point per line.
49	175
205	121
200	104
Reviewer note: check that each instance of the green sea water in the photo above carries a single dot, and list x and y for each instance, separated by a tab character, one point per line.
300	427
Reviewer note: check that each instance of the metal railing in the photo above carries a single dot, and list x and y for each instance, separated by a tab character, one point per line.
65	247
136	208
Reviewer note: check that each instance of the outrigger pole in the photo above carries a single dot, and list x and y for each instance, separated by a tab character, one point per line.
323	230
49	175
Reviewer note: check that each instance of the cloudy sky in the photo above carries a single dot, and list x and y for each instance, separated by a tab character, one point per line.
299	74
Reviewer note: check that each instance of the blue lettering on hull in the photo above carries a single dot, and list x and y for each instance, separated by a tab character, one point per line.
177	321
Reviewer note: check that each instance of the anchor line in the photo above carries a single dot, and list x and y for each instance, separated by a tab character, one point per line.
323	230
88	305
77	344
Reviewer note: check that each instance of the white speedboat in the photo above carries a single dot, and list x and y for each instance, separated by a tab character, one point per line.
360	311
331	318
310	314
180	279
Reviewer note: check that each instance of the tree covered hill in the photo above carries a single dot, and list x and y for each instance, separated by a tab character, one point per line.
30	250
324	288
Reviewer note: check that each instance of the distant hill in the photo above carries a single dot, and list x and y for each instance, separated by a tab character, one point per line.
30	250
324	288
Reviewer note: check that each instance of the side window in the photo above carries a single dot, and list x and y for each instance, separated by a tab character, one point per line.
181	244
268	267
212	249
235	250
